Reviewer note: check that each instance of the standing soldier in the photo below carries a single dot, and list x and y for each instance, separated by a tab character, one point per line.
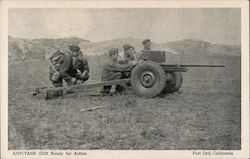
113	71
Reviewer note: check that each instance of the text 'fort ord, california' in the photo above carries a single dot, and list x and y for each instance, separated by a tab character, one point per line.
210	153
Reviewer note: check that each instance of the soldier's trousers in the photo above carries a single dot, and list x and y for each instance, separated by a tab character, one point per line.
59	82
114	76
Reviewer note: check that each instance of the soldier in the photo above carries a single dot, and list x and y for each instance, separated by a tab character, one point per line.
146	44
130	55
62	68
146	47
80	63
113	71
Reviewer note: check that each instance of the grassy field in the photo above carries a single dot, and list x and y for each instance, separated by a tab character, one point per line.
204	114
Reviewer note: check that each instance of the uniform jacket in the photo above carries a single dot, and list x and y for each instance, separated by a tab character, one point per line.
67	71
81	63
130	57
111	67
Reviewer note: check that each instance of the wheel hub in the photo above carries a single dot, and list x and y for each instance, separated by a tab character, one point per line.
147	79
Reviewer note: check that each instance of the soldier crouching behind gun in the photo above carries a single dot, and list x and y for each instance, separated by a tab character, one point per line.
113	71
146	45
63	67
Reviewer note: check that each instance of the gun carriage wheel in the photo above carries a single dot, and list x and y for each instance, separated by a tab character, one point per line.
148	79
173	82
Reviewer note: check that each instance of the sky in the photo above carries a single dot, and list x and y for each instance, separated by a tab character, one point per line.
216	25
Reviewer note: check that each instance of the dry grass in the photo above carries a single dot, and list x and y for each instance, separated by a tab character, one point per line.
204	114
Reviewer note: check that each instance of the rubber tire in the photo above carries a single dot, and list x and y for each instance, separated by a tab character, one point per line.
160	79
175	84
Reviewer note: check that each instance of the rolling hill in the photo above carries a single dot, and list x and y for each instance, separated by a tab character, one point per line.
32	49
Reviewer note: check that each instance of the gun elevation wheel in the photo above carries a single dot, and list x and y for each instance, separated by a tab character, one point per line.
148	79
173	82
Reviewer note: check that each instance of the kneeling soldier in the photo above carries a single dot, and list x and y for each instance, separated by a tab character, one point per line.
130	55
80	63
113	71
62	68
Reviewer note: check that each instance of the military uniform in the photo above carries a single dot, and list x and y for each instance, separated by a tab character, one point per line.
66	71
147	45
145	48
130	56
113	71
81	65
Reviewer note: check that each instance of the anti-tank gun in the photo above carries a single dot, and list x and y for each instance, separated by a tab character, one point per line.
148	78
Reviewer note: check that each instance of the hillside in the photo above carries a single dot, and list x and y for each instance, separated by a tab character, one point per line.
198	47
30	49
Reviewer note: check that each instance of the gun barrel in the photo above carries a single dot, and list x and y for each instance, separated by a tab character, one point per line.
174	68
202	65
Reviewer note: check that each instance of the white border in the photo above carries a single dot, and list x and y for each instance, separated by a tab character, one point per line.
145	154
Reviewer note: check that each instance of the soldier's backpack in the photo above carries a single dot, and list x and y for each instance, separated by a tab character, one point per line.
54	59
